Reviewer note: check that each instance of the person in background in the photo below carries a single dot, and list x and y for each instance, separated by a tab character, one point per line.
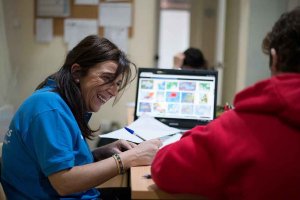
45	153
252	151
192	58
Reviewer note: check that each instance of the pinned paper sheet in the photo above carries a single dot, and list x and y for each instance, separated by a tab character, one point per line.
76	29
115	14
147	127
44	30
118	35
57	8
86	2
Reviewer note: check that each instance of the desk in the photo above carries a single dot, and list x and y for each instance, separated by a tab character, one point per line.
143	188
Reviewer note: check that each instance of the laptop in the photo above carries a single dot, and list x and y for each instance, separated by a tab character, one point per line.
178	98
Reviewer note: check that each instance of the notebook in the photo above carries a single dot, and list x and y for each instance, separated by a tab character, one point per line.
178	98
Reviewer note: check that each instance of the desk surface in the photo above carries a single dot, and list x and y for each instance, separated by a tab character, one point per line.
143	188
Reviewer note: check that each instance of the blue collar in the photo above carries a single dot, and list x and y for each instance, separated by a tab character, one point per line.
50	83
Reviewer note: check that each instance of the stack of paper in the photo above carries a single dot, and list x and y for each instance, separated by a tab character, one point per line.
147	127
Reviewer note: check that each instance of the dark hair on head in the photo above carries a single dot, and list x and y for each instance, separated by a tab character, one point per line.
88	53
194	58
285	39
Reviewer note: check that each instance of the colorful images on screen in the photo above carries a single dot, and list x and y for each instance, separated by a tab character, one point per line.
176	98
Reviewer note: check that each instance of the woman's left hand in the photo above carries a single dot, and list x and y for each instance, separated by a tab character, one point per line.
108	150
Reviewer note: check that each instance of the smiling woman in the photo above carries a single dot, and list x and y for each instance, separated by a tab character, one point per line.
99	85
94	63
47	134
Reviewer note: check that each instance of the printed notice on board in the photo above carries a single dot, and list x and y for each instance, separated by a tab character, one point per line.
44	30
118	35
86	2
115	14
57	8
76	29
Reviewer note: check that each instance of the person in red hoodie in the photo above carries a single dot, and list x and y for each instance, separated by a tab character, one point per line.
251	152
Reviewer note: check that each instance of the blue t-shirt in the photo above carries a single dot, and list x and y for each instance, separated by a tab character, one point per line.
43	138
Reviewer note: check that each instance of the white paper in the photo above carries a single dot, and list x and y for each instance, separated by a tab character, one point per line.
76	29
57	8
170	139
86	2
44	30
118	35
146	126
115	14
122	134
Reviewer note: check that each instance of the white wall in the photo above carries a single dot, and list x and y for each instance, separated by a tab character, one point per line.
248	21
203	27
5	67
231	50
263	15
31	62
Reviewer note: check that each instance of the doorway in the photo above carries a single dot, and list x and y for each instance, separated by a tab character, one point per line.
173	31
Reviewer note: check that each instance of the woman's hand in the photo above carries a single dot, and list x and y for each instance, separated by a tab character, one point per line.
142	154
115	147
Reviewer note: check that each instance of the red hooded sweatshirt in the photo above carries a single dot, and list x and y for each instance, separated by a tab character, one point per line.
249	153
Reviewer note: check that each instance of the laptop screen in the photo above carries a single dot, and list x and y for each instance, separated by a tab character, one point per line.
178	98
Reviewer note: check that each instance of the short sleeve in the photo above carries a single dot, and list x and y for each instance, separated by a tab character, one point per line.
52	141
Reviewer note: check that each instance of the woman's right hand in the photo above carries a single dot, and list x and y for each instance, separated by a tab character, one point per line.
142	154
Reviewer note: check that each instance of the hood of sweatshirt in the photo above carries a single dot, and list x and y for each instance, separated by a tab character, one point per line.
278	96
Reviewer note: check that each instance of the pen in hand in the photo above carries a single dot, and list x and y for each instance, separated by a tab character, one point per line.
133	133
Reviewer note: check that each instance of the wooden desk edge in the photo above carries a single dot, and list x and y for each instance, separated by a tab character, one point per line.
143	188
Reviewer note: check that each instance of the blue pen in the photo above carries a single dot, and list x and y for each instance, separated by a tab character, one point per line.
133	133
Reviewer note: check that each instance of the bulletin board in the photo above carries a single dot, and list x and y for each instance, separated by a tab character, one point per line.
83	12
